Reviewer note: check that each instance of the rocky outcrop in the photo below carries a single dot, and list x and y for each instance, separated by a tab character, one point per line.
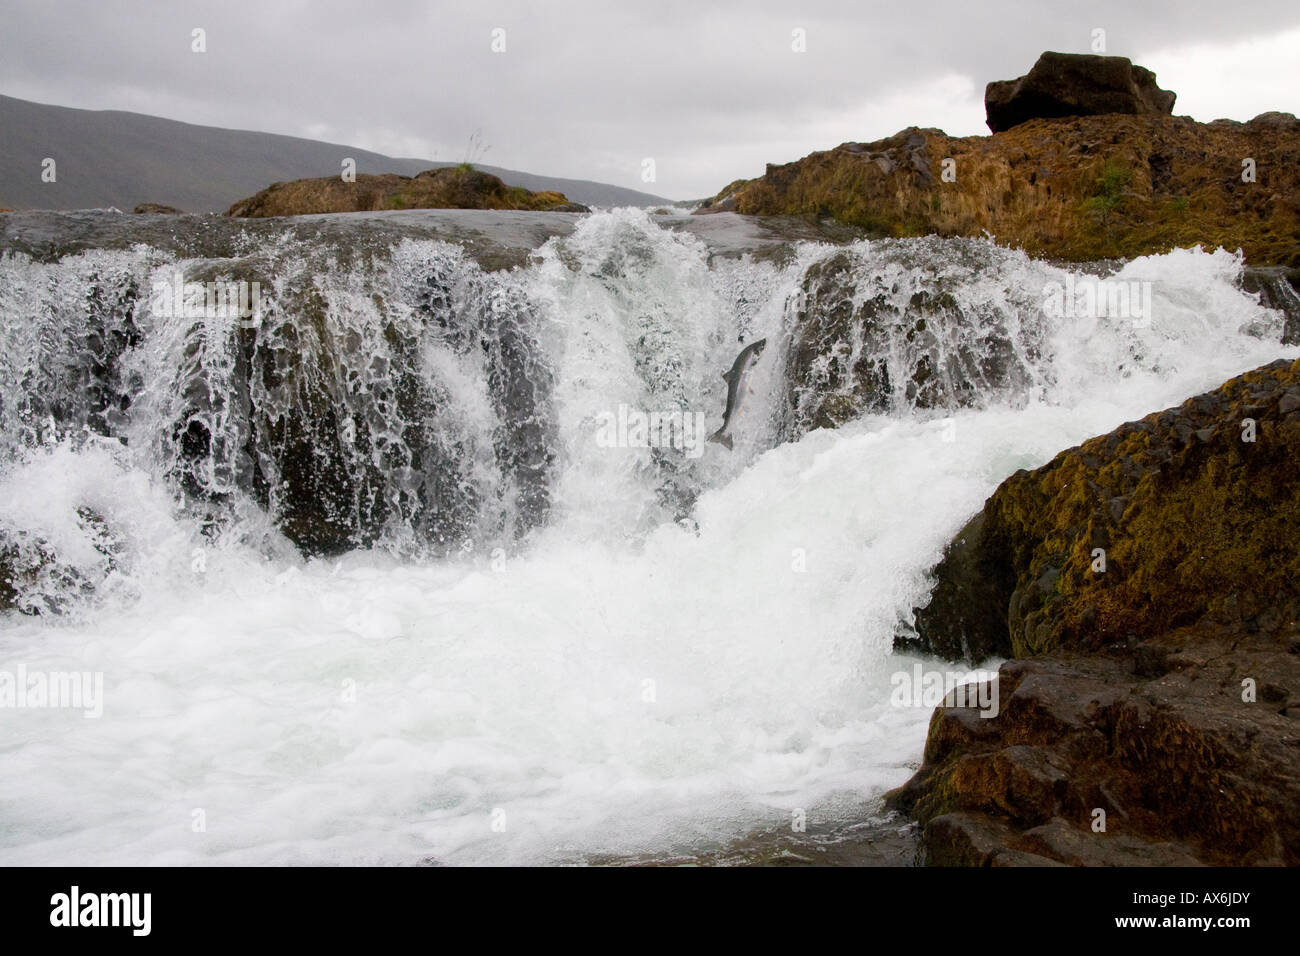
1277	288
898	328
35	579
340	408
1184	516
1157	746
1080	188
450	187
342	433
157	209
1148	583
1075	84
496	243
725	200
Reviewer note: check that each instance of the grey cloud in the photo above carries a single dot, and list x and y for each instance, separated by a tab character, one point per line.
585	89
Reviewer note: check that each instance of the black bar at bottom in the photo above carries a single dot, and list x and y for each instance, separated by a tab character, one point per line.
331	906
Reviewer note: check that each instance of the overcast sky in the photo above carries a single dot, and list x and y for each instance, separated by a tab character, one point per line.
710	91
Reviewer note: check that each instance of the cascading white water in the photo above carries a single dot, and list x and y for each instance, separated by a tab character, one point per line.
531	660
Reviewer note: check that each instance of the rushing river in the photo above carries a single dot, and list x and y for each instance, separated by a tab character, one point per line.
367	581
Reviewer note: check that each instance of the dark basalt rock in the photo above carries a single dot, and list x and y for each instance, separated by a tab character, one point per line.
1277	288
1185	770
1074	84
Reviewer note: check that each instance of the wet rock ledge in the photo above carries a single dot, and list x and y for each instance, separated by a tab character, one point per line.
1146	585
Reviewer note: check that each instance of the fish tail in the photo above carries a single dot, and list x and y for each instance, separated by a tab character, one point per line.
722	438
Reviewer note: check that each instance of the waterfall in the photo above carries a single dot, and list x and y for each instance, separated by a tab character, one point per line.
356	540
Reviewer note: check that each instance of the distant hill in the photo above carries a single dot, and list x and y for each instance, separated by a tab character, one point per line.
115	158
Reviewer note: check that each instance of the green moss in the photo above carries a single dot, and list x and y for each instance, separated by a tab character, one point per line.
1206	530
451	187
1076	189
726	191
1195	525
1108	191
1107	197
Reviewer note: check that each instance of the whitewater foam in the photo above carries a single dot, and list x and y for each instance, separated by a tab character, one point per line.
620	683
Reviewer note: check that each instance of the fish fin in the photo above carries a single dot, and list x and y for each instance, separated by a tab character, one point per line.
726	376
722	438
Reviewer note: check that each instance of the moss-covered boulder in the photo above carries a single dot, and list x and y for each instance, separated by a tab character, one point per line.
725	199
1075	188
1148	584
448	187
1185	515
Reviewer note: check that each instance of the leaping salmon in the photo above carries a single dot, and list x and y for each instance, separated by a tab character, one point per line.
735	378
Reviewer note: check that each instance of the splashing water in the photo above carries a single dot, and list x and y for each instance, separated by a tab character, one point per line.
506	646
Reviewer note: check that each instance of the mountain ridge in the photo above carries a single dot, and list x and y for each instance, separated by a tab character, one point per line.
197	168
